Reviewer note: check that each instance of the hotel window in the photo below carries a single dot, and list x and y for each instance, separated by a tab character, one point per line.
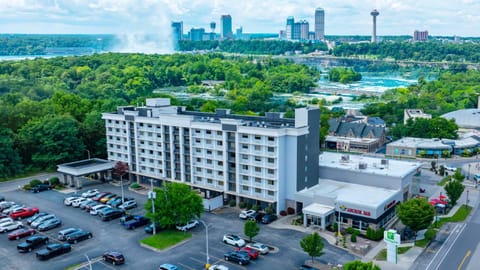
220	183
219	153
257	190
199	179
258	147
258	159
209	152
270	171
271	139
219	143
198	141
270	160
219	133
209	161
258	180
258	169
257	137
208	141
245	177
220	173
208	132
245	167
198	150
270	182
245	157
245	188
197	131
220	163
270	149
199	169
198	159
209	171
245	146
210	181
244	136
270	193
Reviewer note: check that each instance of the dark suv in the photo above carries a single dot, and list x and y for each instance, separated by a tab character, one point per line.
110	214
238	257
114	257
32	242
41	187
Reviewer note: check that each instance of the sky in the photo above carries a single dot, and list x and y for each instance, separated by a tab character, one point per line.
342	17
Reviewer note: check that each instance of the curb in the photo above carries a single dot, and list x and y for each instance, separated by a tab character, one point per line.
163	250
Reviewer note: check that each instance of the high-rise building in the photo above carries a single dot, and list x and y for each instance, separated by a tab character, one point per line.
197	34
304	29
374	14
420	35
226	27
177	32
289	28
261	160
319	24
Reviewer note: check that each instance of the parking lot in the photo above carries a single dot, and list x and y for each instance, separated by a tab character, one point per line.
112	236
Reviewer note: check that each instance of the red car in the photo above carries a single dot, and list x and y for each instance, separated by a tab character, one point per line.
20	233
24	213
99	196
252	253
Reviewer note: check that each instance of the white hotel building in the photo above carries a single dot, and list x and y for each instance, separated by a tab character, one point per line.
262	160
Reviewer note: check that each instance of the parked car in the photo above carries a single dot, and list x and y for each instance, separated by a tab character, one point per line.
149	228
94	211
41	187
168	266
6	219
269	218
21	233
246	213
306	267
87	202
90	193
261	248
115	202
107	197
5	204
12	208
136	222
89	206
24	212
114	257
10	226
68	201
111	213
257	217
49	224
32	243
76	203
236	256
233	240
34	217
218	267
252	253
128	205
53	250
190	225
100	195
78	236
62	235
40	220
126	218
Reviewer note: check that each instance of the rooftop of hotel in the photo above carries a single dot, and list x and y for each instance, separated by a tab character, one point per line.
348	192
366	164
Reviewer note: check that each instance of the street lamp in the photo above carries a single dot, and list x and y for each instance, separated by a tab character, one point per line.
207	265
88	152
469	165
152	195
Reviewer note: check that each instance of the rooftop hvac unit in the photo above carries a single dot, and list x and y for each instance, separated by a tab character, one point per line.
362	166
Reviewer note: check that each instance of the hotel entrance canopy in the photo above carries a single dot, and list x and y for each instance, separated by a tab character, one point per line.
85	167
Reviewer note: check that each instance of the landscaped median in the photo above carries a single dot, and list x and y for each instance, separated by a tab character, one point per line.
165	239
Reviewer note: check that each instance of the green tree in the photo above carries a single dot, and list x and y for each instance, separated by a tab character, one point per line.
359	265
251	229
458	175
49	141
454	190
10	162
416	213
175	203
312	244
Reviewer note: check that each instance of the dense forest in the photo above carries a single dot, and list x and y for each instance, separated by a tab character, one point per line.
344	75
269	47
419	51
50	109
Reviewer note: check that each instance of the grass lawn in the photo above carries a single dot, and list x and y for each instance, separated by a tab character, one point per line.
382	255
165	239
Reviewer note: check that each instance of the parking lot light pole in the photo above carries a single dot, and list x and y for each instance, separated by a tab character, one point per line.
88	152
121	184
152	195
207	265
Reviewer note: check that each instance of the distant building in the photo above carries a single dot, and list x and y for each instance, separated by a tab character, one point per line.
420	35
413	147
304	30
374	14
197	34
226	27
289	28
319	24
466	118
414	114
177	32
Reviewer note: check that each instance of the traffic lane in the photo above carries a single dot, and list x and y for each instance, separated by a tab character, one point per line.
459	253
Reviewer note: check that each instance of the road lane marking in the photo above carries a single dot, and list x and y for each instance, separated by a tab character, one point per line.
459	232
464	259
434	257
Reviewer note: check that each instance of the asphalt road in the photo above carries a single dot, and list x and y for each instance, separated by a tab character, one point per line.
112	236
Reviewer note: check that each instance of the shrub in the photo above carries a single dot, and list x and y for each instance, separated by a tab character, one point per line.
290	211
256	207
232	203
335	227
27	187
344	239
134	185
374	235
242	205
248	206
269	210
353	238
350	230
54	181
430	234
35	182
283	213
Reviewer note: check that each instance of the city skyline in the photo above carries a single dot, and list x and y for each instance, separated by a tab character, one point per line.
344	17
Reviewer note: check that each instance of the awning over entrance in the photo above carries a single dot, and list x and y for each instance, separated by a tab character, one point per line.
317	210
84	167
